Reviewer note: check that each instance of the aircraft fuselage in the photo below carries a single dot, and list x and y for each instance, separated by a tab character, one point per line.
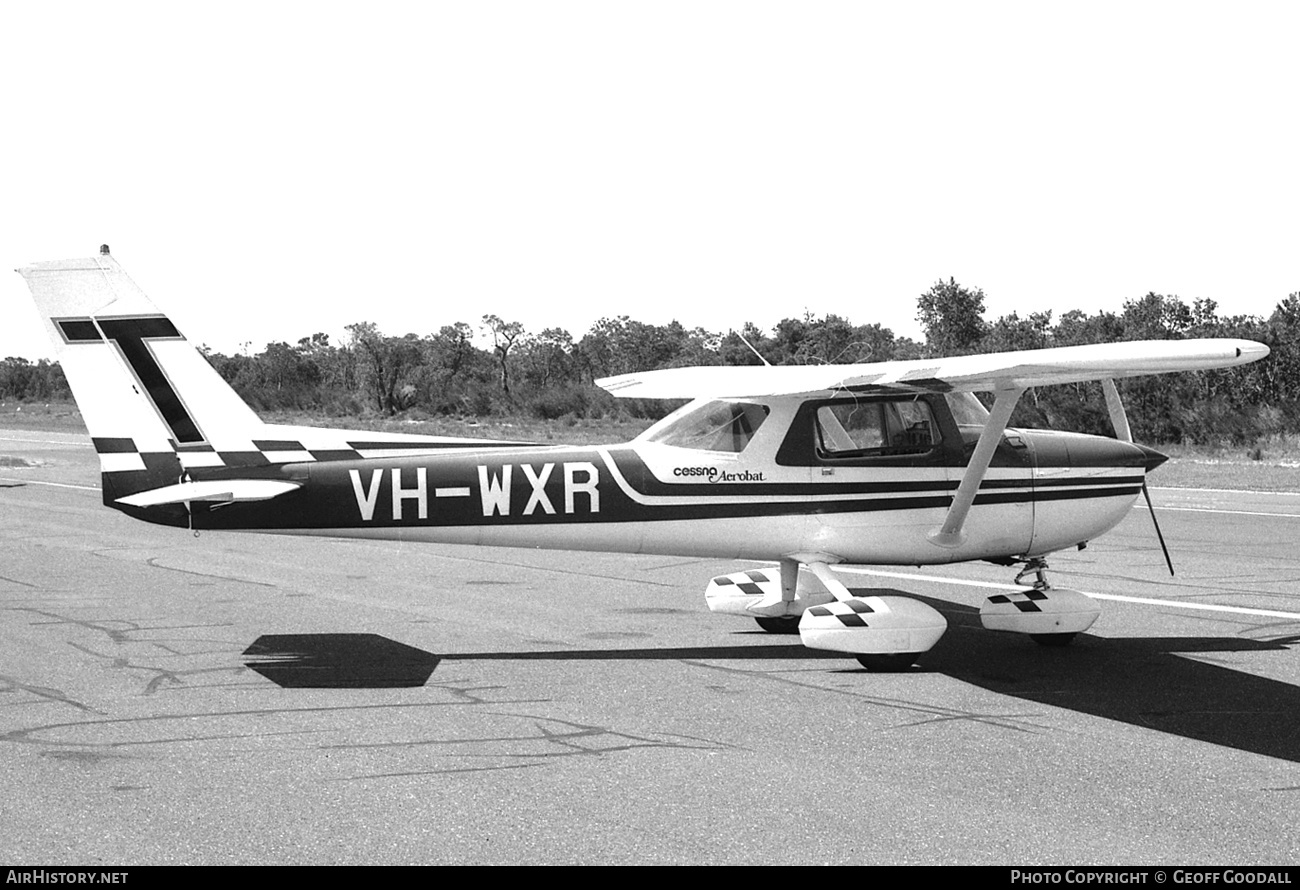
779	493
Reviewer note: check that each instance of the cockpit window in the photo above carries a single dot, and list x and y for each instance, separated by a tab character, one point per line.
714	426
876	428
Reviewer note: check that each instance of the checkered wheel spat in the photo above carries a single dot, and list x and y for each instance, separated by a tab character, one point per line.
1054	610
1025	602
849	612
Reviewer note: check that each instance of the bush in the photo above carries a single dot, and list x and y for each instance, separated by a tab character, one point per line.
554	403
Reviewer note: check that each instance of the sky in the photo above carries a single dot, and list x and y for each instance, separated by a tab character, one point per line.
268	170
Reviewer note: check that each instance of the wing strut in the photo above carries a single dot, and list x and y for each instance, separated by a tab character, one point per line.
950	533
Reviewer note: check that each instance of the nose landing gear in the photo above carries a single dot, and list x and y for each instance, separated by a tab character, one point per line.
1051	616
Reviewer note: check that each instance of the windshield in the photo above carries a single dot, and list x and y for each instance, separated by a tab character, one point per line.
966	409
714	426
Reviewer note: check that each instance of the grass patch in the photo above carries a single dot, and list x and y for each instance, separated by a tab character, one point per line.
562	431
50	417
1254	476
569	430
1271	464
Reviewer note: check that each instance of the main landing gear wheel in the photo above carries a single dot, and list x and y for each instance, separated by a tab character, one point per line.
783	624
1053	640
884	664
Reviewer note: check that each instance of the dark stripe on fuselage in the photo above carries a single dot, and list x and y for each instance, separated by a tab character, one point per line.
642	480
307	510
450	491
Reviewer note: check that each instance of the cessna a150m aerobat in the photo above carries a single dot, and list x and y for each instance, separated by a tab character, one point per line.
890	463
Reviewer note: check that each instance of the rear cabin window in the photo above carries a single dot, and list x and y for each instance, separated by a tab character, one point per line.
870	429
714	426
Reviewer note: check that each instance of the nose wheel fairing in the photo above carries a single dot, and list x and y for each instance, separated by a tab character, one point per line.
1051	615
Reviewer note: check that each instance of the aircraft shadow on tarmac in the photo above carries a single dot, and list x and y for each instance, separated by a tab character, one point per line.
1142	681
339	661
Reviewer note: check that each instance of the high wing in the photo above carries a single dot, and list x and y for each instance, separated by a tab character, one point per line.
967	373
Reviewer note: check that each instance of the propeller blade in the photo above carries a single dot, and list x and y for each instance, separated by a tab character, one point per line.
1169	562
1118	417
1119	421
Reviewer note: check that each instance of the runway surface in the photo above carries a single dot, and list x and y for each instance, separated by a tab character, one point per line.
587	708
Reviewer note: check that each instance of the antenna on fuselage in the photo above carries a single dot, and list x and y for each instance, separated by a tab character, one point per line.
752	349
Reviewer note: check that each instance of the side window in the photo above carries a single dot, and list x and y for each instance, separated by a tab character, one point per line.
875	428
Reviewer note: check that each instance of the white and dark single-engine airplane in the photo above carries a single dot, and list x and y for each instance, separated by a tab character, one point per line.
803	467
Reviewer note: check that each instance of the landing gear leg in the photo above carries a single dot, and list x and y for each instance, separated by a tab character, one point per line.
1037	566
784	624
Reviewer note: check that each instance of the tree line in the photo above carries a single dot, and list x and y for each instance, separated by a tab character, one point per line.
549	375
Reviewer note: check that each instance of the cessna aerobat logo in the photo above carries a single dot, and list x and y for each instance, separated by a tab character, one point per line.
573	487
713	474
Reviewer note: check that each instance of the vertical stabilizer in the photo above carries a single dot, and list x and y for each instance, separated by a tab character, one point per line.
153	405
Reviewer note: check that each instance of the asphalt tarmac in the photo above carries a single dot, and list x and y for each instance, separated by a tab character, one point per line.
259	699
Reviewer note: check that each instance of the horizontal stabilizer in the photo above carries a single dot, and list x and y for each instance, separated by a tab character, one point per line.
223	490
